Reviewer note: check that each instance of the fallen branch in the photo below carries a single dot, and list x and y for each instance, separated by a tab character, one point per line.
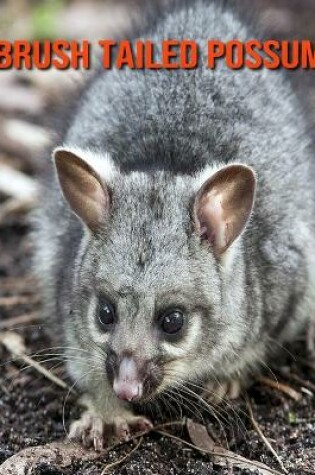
56	454
284	388
262	436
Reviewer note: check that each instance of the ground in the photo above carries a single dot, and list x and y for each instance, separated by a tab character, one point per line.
34	411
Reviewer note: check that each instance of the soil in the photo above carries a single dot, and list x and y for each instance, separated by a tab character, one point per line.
34	411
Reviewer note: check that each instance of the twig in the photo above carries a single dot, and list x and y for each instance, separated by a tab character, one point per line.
165	425
18	300
20	320
299	380
125	457
43	371
262	436
14	344
284	388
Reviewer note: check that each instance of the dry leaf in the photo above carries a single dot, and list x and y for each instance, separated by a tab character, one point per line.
199	436
221	456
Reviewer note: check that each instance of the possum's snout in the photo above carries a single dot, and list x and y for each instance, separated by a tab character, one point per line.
132	377
127	384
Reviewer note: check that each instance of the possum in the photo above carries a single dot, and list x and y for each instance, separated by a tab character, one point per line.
175	240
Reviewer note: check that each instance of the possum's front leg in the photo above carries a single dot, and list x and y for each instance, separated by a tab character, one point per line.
98	425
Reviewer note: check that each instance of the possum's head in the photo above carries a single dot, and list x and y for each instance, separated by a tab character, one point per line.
151	305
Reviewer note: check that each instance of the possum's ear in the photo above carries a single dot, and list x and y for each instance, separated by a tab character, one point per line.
82	186
223	205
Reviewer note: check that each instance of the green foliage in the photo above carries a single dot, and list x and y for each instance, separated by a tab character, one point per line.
44	18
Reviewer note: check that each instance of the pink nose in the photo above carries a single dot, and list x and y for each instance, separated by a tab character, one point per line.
127	391
127	385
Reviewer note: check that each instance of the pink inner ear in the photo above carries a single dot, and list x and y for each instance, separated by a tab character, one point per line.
223	205
211	218
82	187
207	234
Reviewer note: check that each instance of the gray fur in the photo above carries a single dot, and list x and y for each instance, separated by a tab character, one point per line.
168	127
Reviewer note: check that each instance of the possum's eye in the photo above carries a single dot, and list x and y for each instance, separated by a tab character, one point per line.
106	314
172	321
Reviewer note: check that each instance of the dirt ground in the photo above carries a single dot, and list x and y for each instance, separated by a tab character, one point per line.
35	411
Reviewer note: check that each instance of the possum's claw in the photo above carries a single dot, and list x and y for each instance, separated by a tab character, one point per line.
123	428
93	431
88	430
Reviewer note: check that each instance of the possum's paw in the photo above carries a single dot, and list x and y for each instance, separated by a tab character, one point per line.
124	427
88	430
92	431
217	392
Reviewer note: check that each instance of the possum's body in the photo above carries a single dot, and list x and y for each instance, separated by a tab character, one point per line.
153	142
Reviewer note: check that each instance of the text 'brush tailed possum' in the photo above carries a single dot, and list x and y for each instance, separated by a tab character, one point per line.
176	239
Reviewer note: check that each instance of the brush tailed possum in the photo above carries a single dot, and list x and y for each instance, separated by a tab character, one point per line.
175	242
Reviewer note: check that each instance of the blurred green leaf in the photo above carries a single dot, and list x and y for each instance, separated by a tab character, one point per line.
44	18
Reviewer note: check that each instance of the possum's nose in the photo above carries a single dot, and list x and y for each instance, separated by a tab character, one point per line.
127	385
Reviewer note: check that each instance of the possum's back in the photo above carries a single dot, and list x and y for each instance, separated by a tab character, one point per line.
181	120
